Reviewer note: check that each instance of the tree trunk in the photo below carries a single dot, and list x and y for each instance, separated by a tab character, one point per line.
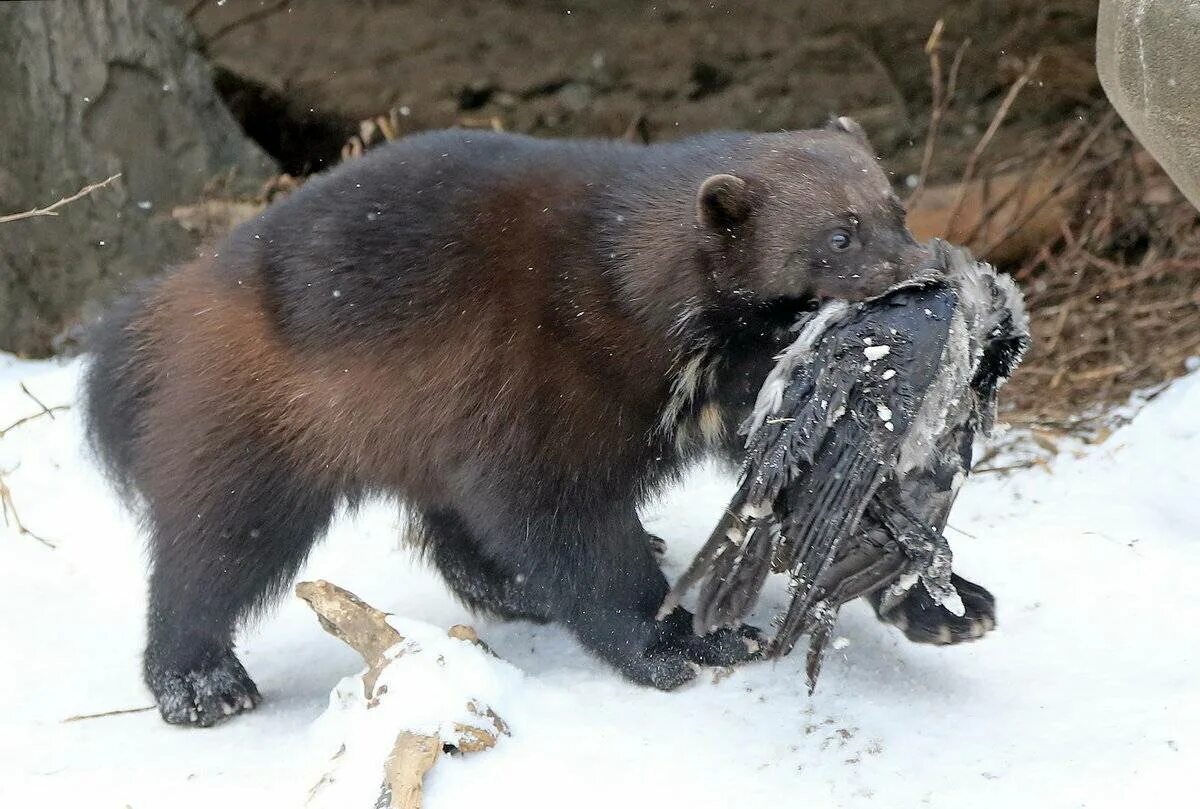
90	89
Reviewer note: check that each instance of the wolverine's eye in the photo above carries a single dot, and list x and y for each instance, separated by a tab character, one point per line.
840	239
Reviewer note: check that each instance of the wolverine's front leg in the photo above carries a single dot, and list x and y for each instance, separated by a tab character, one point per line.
593	570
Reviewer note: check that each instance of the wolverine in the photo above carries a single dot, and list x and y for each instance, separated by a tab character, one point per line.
520	339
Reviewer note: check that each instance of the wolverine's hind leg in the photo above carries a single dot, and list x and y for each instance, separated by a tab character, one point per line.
231	523
590	567
478	582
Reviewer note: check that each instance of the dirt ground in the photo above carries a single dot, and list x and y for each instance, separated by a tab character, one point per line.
595	67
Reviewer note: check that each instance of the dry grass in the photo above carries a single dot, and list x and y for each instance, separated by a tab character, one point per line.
1115	297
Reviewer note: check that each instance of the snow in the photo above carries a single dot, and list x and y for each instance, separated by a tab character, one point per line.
1087	694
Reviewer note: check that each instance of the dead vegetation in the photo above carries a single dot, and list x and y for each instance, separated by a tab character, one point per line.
1104	246
1115	296
1107	252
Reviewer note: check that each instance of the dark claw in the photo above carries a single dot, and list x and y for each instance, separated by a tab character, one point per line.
677	655
203	697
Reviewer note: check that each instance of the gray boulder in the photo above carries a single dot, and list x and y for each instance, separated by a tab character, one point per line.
1148	58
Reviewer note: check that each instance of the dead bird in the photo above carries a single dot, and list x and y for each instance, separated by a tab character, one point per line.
857	446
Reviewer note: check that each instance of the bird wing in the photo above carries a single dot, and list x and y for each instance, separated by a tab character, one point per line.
885	363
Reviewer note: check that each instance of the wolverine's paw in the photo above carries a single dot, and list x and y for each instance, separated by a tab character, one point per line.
728	646
203	697
923	621
663	668
677	655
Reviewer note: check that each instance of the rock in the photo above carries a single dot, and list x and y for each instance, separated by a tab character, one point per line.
90	90
1146	57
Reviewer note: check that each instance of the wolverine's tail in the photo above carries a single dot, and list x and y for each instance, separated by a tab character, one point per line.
117	386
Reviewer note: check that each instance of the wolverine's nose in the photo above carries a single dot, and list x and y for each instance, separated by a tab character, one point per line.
912	260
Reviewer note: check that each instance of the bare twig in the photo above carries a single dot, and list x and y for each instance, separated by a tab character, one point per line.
985	470
46	411
102	714
52	209
253	16
12	519
989	133
1065	179
935	83
942	98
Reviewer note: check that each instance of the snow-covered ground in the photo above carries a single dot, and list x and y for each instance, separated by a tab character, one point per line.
1087	695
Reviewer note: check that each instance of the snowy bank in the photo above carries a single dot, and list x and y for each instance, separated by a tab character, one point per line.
1086	695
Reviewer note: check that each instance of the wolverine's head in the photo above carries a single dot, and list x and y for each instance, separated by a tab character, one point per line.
807	215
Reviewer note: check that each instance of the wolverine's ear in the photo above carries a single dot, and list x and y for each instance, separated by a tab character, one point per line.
723	201
850	127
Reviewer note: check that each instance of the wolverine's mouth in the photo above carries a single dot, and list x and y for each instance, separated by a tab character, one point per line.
789	308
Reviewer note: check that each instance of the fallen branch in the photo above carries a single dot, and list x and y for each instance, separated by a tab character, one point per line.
52	209
404	771
356	623
367	631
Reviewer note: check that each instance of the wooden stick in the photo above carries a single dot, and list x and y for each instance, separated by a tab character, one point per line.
404	771
350	619
52	209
